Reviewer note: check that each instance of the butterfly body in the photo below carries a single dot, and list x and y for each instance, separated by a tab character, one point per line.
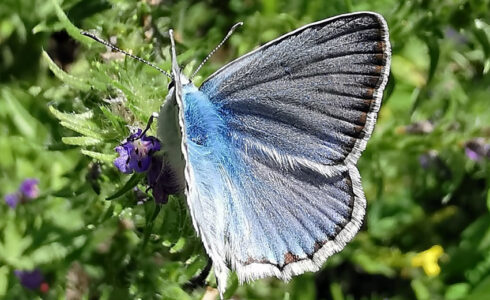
269	145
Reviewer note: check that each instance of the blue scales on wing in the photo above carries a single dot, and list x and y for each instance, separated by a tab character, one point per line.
272	140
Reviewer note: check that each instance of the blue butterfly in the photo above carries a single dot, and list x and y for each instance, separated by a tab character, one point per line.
270	144
266	148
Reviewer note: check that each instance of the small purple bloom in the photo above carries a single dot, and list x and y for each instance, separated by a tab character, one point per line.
135	153
30	279
122	162
12	200
477	149
472	154
162	180
29	188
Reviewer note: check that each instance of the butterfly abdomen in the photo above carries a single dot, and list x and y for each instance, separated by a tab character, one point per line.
171	139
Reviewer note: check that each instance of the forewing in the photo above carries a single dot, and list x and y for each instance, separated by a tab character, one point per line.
311	95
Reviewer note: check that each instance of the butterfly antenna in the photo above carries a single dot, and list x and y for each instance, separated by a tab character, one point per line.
99	40
217	47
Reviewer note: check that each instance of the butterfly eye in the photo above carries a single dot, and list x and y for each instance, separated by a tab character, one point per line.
171	84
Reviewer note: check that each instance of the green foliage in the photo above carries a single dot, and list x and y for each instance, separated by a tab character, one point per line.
65	105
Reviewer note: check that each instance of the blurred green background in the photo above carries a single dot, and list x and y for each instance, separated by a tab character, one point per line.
65	102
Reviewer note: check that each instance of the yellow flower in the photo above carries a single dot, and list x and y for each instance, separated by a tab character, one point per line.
428	260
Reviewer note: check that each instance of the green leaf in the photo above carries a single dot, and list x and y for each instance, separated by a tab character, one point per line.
482	37
131	183
232	286
65	77
174	292
457	291
14	246
72	30
81	141
434	52
23	120
303	287
336	291
420	289
178	246
82	130
481	291
488	200
116	121
4	280
70	117
80	123
107	158
49	253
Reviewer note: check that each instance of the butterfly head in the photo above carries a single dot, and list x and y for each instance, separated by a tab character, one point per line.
183	80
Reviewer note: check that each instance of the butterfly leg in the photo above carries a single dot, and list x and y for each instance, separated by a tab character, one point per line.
200	279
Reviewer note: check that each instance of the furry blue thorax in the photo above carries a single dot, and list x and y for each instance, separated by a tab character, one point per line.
204	125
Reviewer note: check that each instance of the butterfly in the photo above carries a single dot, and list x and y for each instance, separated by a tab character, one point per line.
266	148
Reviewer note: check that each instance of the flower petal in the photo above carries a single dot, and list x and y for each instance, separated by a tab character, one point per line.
121	162
30	279
29	188
12	200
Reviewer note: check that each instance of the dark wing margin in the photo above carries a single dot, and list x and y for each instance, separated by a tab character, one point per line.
312	94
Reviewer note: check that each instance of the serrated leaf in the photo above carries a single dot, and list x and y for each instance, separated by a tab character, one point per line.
116	121
77	122
80	129
131	183
71	117
65	77
107	158
72	30
81	140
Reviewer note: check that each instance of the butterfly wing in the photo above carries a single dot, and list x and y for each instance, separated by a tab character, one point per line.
271	143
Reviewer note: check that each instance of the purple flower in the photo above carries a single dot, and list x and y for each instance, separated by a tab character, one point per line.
29	188
162	180
473	155
122	162
477	149
30	279
135	153
12	200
